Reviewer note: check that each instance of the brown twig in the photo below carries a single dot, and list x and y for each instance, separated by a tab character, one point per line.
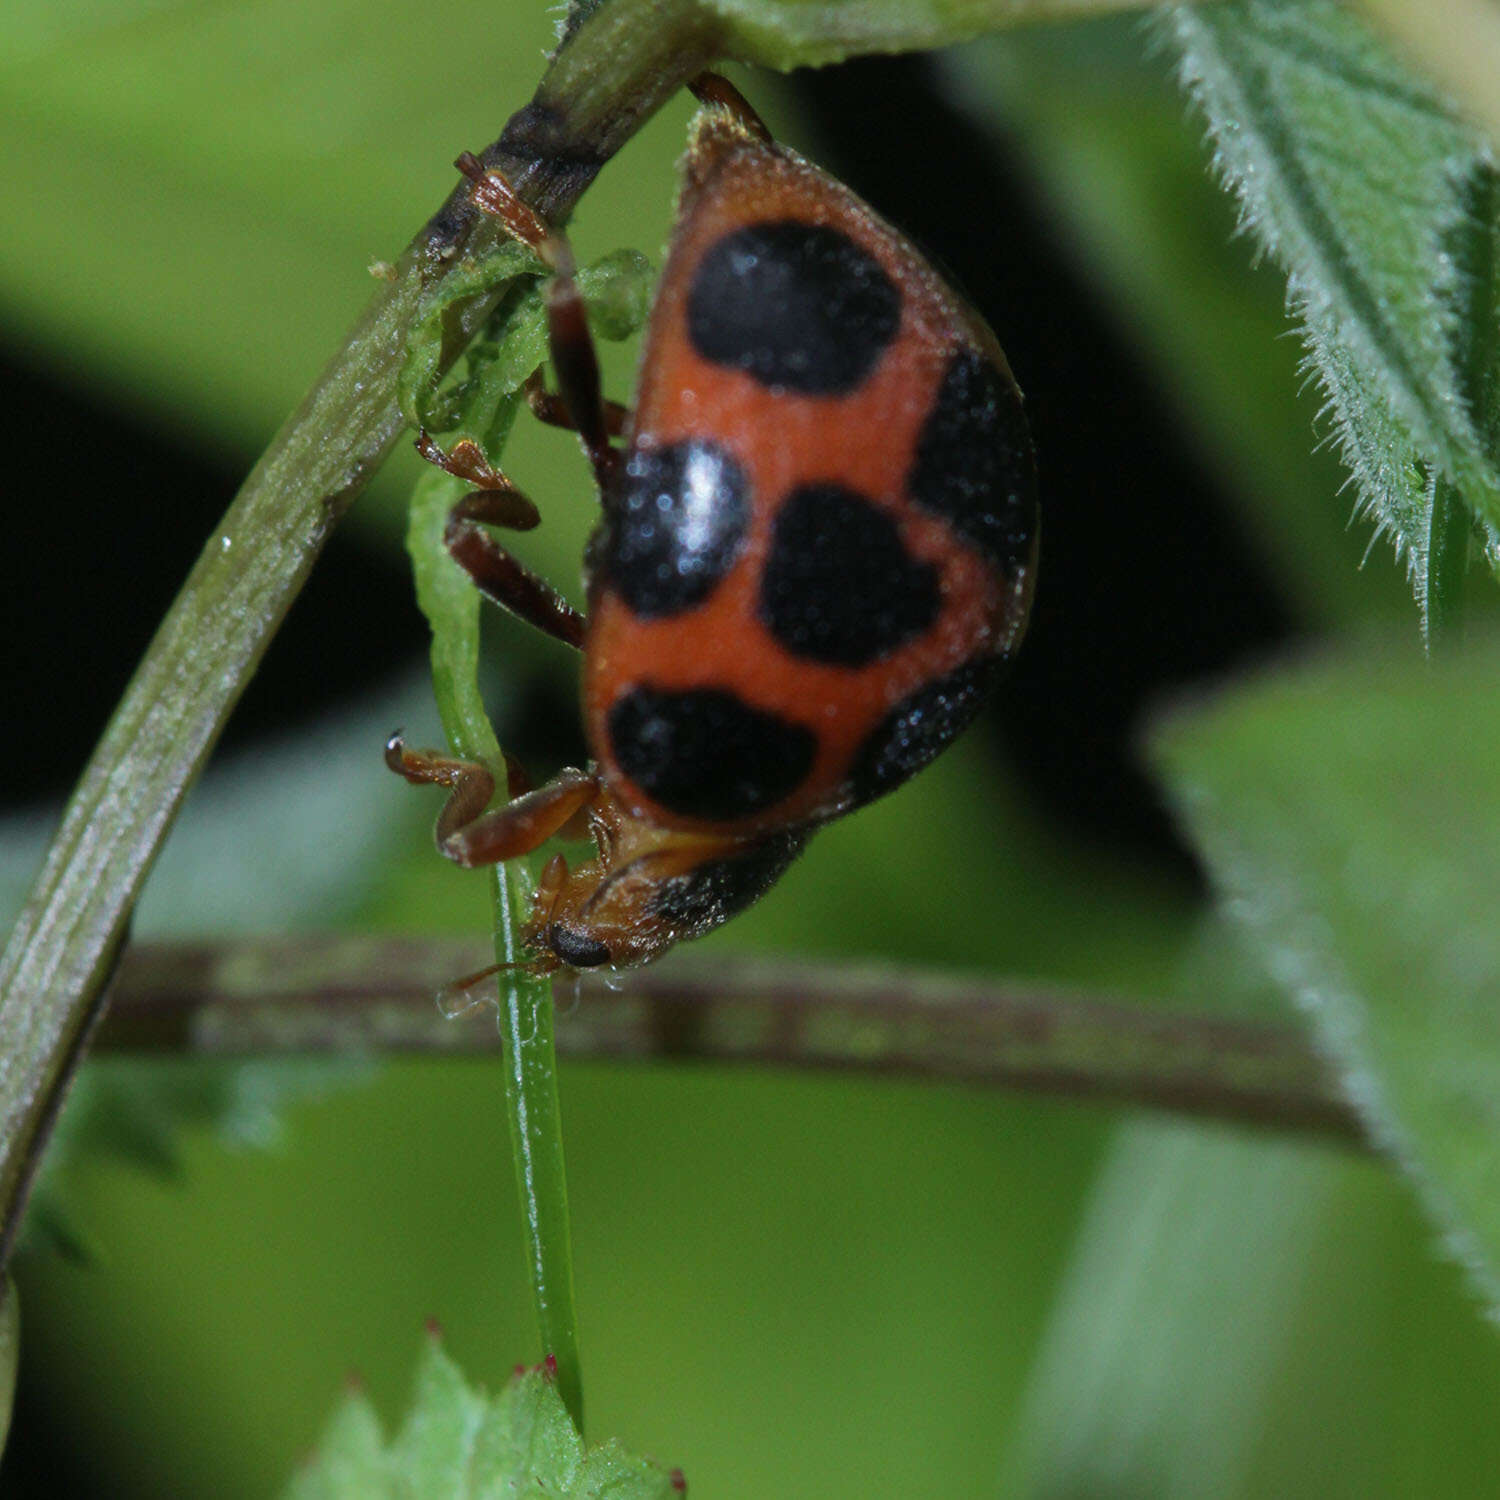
300	995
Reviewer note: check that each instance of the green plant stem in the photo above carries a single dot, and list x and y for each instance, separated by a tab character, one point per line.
526	1021
608	76
451	604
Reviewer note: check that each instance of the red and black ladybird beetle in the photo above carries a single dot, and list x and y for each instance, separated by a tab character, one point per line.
816	551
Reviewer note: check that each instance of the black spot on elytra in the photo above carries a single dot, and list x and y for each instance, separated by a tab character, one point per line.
706	897
799	307
576	949
918	728
974	463
706	754
675	522
839	585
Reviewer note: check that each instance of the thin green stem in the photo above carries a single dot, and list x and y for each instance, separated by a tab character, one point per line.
526	1021
451	604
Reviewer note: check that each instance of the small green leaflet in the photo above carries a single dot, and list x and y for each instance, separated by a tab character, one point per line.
1380	204
481	402
458	1443
1349	811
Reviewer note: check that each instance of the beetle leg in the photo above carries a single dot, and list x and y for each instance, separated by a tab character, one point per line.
572	344
503	504
496	573
470	836
549	407
504	578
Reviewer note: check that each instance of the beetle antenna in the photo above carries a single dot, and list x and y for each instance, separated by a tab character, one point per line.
457	997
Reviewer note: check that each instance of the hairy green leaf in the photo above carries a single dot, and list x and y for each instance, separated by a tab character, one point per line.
462	1444
1376	199
1350	814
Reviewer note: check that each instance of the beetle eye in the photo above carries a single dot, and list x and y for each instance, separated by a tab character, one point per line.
576	949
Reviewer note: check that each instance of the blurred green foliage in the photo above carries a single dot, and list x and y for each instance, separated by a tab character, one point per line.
799	1287
1383	925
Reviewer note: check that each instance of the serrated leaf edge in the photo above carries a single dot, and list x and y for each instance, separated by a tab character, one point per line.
1285	934
1435	417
